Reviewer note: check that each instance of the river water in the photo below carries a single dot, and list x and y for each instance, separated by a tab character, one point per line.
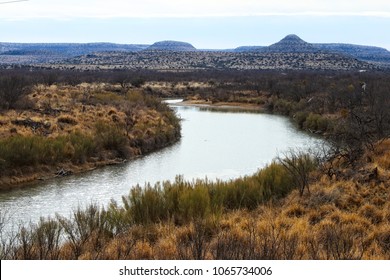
215	144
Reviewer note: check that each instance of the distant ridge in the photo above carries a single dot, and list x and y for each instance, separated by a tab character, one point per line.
289	53
171	46
293	44
24	53
248	49
366	53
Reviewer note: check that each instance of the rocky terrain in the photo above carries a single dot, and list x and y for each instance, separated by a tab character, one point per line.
212	60
292	43
24	53
291	53
365	53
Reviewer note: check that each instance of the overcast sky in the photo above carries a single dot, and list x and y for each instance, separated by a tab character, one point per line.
204	23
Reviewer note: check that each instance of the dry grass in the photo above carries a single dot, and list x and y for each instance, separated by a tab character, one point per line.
347	217
341	219
381	156
139	122
294	227
82	105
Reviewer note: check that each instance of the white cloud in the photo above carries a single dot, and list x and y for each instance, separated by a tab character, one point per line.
67	9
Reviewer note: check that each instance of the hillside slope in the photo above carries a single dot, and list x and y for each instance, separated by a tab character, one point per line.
175	46
181	60
60	130
290	53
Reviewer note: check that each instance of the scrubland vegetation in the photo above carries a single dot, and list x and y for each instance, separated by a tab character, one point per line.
333	205
61	129
263	216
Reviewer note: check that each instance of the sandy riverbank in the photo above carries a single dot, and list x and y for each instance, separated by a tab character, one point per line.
221	105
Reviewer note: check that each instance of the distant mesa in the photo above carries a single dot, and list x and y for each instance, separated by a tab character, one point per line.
171	46
291	44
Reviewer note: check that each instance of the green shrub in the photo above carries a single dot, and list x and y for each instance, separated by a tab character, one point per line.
22	151
286	107
283	106
316	122
184	201
112	137
275	181
147	204
172	193
300	118
19	151
83	146
194	203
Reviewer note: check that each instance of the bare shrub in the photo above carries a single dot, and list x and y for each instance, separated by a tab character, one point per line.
12	89
299	165
193	241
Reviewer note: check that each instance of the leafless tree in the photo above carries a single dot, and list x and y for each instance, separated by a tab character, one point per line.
299	165
12	88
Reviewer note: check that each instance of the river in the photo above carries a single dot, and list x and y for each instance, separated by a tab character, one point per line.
215	144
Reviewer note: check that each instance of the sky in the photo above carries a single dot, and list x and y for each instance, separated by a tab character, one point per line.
207	24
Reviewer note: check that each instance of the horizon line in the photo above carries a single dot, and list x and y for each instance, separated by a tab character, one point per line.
377	14
197	48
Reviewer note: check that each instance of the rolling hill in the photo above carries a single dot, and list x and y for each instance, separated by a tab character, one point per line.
290	53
